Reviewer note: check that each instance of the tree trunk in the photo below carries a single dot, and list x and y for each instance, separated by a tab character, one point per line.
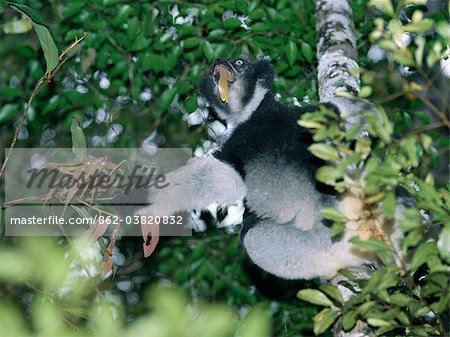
336	49
338	71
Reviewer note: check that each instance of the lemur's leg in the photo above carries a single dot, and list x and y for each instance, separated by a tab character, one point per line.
288	252
196	185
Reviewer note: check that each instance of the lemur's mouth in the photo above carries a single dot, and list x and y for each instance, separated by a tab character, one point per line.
222	76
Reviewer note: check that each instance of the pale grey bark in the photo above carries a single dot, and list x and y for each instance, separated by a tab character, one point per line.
336	49
338	71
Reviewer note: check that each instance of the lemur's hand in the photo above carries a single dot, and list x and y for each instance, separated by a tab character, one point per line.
136	203
127	203
150	231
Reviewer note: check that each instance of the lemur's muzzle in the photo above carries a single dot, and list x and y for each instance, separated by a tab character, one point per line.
223	76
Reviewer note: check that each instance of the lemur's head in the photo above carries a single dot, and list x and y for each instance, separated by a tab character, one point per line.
235	88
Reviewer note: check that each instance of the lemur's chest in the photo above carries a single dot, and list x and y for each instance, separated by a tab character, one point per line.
272	137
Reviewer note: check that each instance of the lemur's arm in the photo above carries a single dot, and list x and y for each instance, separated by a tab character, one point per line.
195	186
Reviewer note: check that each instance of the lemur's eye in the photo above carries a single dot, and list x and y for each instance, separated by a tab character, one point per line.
239	62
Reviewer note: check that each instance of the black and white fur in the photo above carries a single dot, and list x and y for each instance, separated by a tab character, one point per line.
265	160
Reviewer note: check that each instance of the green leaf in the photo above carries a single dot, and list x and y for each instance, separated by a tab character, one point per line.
331	213
8	112
365	91
140	43
48	46
400	299
191	42
426	141
241	6
315	297
423	253
167	98
260	27
332	291
389	204
443	28
182	87
353	132
363	146
257	14
349	320
443	243
377	322
11	318
365	307
324	319
381	331
409	146
383	5
9	92
337	229
418	54
29	12
291	52
381	248
309	124
184	30
382	279
419	331
396	29
416	2
190	104
216	33
133	28
208	51
79	147
328	175
371	244
324	151
403	59
73	8
43	32
257	323
232	23
110	2
420	26
307	52
403	318
413	238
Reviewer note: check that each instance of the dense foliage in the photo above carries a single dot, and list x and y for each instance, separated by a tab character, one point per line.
408	294
134	82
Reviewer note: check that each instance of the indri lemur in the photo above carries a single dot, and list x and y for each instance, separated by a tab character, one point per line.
264	160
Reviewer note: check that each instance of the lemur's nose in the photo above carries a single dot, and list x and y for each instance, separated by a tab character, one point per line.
215	69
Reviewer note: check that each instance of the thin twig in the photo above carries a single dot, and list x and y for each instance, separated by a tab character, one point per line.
41	84
73	45
434	109
37	89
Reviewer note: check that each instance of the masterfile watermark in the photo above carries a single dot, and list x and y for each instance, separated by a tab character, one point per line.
52	179
48	192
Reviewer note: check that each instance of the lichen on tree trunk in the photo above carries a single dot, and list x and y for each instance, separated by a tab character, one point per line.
336	49
338	71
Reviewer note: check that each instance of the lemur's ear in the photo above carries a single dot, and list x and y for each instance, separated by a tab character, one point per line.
264	72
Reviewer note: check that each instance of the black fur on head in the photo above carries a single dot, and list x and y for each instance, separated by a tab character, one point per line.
250	79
